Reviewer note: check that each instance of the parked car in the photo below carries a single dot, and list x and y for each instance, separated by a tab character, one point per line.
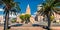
40	24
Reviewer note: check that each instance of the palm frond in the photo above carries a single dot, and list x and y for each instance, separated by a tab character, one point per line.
41	12
57	10
17	6
52	12
17	2
47	1
57	4
43	4
13	11
1	2
57	1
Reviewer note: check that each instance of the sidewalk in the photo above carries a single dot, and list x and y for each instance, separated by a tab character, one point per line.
55	28
26	28
30	28
1	28
33	28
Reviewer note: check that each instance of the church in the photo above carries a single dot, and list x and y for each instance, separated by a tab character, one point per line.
27	12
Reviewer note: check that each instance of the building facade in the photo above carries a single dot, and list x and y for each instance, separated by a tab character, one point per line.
27	12
56	16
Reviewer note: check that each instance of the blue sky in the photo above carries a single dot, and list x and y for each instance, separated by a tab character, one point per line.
33	5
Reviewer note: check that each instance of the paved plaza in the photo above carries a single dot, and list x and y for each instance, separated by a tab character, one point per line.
30	28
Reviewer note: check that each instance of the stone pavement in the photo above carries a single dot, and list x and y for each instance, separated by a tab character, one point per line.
1	28
26	28
30	28
55	28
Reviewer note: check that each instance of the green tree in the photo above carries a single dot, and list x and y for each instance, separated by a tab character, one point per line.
48	9
52	18
13	20
27	17
9	6
22	17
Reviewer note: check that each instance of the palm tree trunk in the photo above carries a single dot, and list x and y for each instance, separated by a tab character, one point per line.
49	21
6	21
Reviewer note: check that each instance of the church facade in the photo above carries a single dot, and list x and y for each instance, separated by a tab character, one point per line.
27	12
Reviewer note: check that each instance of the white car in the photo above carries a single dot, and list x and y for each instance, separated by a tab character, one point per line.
16	24
40	24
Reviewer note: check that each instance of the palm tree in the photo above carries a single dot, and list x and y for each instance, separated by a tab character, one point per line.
48	9
9	6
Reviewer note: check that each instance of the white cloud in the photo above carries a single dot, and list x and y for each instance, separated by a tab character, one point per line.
39	5
1	9
35	13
